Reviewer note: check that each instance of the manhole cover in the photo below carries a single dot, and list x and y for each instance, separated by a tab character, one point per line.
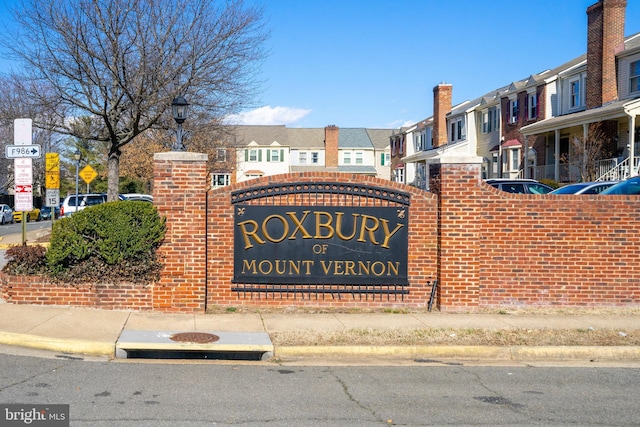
195	337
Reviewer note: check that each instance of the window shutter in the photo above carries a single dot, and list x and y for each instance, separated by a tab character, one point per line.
268	155
282	155
382	159
259	155
246	155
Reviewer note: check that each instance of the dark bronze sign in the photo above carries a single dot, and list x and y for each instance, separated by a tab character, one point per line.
320	244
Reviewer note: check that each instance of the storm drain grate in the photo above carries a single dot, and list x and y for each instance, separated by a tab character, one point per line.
194	337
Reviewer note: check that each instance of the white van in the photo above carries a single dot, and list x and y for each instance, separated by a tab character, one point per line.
71	204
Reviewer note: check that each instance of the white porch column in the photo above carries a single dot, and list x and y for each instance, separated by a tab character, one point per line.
633	171
556	163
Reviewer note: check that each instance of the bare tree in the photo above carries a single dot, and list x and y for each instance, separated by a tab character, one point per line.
122	62
586	151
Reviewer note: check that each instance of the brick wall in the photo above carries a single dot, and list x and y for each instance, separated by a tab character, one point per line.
422	253
491	249
512	250
179	193
38	290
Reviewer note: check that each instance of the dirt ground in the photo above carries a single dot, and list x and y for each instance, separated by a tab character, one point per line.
453	336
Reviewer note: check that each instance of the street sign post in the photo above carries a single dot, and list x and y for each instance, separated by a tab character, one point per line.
20	151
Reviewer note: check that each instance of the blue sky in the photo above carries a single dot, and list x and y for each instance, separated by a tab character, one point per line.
374	63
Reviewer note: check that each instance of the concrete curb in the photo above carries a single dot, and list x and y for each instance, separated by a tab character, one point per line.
514	353
73	346
518	353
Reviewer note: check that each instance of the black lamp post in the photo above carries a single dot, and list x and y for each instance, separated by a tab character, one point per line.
179	106
76	156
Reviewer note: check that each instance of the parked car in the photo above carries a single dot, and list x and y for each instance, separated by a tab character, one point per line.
70	205
628	186
138	197
524	186
6	214
45	212
32	215
596	187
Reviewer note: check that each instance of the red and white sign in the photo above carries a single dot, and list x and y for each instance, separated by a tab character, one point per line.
23	198
23	169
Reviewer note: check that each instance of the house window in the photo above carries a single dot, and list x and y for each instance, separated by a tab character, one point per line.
314	157
515	159
399	175
385	158
575	94
458	131
302	159
253	155
494	118
533	106
220	180
513	111
494	164
634	74
485	122
275	155
347	158
221	155
359	158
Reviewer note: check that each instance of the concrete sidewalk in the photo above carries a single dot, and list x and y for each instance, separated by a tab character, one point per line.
96	332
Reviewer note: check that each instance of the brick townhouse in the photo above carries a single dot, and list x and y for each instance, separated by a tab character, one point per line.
538	127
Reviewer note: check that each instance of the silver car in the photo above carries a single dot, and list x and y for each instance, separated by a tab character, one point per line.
584	187
6	214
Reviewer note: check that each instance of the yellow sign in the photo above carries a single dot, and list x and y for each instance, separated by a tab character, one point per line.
88	174
52	170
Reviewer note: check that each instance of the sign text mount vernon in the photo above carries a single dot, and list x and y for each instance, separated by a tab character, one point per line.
320	244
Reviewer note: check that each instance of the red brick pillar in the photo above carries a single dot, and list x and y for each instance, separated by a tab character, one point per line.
455	181
179	193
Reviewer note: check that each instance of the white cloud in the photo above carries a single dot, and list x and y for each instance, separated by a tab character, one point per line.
269	115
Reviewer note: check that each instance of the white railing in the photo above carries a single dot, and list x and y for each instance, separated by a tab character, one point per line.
615	170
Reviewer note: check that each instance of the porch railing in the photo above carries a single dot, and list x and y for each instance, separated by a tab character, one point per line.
606	170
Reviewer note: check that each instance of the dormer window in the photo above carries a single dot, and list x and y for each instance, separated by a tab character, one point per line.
575	94
634	75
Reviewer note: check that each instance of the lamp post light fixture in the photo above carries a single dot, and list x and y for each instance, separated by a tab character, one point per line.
76	156
179	107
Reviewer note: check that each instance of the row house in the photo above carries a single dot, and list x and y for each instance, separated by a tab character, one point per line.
271	150
546	126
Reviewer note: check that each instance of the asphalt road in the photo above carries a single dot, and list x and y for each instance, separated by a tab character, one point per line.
16	228
161	393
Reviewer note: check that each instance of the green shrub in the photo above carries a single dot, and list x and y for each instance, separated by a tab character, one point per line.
111	242
23	259
550	182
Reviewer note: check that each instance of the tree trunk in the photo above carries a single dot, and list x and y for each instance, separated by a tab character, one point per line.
113	175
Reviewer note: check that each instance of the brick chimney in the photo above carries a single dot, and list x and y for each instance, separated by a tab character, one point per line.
441	106
331	146
605	38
